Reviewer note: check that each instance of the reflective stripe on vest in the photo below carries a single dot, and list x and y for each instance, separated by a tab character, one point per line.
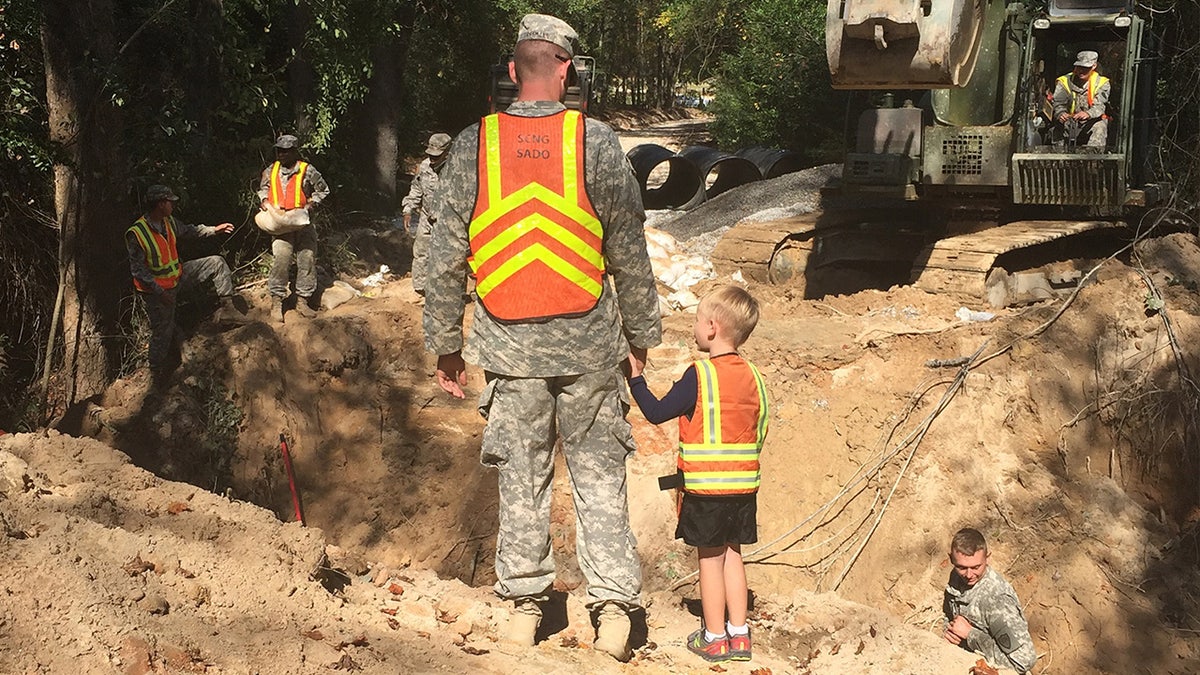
719	446
291	195
536	242
162	257
1095	81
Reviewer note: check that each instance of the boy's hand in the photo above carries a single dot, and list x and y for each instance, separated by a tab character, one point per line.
637	361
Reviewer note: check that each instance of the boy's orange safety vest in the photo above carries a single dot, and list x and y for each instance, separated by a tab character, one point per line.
162	257
536	242
719	446
290	195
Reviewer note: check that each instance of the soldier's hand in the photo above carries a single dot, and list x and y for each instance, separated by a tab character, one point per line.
1063	117
958	630
225	227
407	221
637	361
263	205
1082	116
452	374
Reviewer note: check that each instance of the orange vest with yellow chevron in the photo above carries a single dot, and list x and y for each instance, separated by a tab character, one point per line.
289	195
162	256
536	242
719	446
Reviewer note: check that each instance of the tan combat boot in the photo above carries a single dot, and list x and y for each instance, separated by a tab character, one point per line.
277	309
523	623
304	309
612	637
229	315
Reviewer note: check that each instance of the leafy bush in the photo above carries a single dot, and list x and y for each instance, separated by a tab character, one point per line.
774	89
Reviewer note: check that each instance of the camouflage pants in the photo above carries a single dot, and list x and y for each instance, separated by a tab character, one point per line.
160	310
525	416
420	256
1092	133
301	244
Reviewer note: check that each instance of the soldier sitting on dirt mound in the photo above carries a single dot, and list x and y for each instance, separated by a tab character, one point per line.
159	275
981	609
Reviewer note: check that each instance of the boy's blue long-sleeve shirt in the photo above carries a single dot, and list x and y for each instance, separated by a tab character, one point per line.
679	402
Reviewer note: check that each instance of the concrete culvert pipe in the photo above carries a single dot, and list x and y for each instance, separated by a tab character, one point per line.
772	162
668	181
721	170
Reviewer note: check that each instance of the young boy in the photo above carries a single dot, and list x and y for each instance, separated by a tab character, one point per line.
721	404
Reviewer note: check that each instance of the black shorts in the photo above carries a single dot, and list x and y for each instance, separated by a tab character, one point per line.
710	522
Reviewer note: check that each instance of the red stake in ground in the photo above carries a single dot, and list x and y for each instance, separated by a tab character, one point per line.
287	464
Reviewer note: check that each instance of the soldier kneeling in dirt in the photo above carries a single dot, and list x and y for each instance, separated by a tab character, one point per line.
159	275
982	613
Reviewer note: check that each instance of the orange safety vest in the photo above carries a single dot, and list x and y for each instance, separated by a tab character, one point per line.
162	257
291	195
719	446
536	242
1095	81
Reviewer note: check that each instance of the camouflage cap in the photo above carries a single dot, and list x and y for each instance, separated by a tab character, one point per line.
437	144
1086	59
157	193
548	28
287	142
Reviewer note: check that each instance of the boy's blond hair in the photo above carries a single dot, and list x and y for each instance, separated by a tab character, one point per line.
734	308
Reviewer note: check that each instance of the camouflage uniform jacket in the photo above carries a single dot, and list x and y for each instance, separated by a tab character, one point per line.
420	195
628	306
1078	94
137	255
1000	632
314	186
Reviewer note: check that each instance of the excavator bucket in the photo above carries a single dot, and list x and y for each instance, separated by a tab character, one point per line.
916	44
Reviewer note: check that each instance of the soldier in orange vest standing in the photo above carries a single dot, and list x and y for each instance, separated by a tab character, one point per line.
721	403
290	183
540	204
159	274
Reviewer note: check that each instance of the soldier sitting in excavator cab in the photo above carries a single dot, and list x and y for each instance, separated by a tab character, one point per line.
1079	116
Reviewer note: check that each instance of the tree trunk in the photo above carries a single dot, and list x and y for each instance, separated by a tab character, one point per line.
301	78
89	184
383	107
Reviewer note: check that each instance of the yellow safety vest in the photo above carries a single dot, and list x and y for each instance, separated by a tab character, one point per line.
1095	81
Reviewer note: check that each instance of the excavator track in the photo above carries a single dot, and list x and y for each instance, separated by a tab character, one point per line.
800	249
962	263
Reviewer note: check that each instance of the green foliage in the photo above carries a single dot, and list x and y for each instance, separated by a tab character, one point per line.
222	418
774	89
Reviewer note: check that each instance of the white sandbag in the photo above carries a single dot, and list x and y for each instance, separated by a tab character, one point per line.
277	221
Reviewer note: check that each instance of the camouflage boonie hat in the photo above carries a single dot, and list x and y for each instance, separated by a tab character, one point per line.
287	142
1086	59
550	29
437	144
157	193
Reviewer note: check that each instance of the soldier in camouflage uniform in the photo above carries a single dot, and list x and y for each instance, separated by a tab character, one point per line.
420	199
290	183
1080	103
982	613
555	376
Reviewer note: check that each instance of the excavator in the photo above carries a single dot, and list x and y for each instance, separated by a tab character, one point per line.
957	179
